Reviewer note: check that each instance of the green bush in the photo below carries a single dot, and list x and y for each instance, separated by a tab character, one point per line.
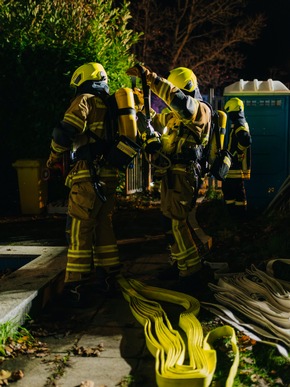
42	43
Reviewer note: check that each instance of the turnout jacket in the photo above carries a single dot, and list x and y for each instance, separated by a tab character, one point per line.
188	123
86	113
239	144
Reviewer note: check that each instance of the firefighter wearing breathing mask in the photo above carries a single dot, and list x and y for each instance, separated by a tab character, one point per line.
92	251
186	126
239	145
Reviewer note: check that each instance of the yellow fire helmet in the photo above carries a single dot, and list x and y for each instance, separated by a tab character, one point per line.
234	105
183	78
88	72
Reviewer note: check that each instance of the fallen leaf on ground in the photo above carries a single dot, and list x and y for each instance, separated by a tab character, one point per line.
4	374
82	351
17	375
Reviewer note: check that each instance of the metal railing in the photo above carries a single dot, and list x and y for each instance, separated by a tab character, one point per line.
138	176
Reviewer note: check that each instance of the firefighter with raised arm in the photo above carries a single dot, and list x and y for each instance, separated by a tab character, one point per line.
92	249
186	127
239	145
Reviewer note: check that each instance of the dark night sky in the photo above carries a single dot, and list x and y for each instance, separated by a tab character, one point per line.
272	50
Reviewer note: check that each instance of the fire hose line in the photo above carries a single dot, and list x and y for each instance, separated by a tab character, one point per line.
261	298
177	363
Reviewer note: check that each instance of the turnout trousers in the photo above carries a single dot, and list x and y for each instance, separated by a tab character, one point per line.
91	237
177	192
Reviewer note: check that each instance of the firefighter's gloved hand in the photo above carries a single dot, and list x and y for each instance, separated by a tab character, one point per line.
137	70
241	156
138	97
157	134
54	161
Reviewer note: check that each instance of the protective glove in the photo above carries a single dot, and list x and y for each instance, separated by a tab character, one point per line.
138	98
54	161
137	70
241	157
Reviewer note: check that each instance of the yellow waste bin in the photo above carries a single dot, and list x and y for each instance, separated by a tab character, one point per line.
32	186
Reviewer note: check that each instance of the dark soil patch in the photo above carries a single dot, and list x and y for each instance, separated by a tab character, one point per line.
260	237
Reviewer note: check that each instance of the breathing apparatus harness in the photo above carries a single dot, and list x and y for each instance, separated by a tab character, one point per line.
118	147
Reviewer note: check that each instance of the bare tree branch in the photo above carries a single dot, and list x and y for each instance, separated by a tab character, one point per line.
206	35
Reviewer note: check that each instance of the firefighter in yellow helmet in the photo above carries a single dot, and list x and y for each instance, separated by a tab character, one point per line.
186	127
239	144
92	250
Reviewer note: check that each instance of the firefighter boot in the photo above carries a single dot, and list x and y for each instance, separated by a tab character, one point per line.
76	295
171	272
107	280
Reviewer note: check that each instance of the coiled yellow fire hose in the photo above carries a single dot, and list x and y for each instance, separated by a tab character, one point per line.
166	344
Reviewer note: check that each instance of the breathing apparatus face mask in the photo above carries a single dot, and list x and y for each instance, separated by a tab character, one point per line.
234	116
100	86
195	93
93	87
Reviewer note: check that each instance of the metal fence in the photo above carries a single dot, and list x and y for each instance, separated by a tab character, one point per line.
138	176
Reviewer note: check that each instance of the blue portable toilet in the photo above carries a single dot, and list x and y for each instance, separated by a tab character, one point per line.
267	112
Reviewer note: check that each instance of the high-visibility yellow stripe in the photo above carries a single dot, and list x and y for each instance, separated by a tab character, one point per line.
106	249
237	174
108	262
74	120
75	232
79	253
184	254
177	235
58	148
79	175
78	268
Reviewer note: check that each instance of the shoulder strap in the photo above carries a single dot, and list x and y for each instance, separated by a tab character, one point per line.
111	119
217	133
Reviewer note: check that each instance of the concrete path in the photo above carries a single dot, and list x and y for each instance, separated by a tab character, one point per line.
108	328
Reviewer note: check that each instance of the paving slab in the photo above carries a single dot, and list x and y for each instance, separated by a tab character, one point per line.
36	371
102	371
30	286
